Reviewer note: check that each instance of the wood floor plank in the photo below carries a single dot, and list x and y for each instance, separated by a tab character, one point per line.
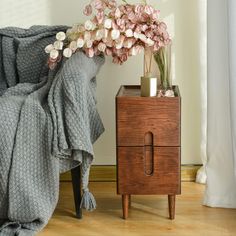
148	215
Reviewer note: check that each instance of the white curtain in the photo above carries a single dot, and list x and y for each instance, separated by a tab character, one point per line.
221	104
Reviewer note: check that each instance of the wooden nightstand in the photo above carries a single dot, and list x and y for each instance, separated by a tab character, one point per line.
148	146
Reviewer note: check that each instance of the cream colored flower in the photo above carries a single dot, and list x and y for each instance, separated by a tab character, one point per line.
150	42
136	35
74	27
119	45
67	52
89	43
88	25
54	54
169	93
80	43
49	48
115	34
109	42
128	43
87	35
108	23
58	45
102	47
81	28
69	31
73	46
129	33
60	36
143	37
99	34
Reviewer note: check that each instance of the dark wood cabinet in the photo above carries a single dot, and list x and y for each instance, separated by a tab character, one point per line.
148	145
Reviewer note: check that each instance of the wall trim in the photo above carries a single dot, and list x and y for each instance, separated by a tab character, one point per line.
107	173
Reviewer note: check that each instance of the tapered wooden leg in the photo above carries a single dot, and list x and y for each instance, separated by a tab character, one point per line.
129	201
171	202
125	204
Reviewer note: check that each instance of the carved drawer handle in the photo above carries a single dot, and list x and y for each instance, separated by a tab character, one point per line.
148	154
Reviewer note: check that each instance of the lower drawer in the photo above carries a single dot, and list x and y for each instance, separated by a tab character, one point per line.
163	176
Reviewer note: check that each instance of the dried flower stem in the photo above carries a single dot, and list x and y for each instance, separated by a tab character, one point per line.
125	1
150	63
146	65
161	58
145	2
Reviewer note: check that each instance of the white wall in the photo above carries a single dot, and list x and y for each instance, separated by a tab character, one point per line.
185	26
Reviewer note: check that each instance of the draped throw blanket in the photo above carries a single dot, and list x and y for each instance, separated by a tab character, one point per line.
48	124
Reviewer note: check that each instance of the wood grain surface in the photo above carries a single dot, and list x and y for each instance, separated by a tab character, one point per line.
135	116
171	204
148	215
148	145
132	178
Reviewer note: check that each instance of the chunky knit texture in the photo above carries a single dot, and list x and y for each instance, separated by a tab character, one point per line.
48	124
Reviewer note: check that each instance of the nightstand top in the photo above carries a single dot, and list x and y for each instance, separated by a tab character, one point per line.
129	91
135	91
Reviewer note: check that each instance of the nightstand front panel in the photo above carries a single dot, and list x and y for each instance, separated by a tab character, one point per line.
136	117
132	178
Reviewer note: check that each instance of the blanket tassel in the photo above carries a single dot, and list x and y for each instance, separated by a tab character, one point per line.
88	201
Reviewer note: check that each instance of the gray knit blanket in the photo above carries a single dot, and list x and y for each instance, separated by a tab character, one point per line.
48	124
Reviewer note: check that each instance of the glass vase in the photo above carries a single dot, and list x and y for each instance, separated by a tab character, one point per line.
163	61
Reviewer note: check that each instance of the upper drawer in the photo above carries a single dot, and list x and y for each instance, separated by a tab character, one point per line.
137	116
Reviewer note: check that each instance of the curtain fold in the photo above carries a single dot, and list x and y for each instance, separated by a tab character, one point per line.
201	174
221	104
232	72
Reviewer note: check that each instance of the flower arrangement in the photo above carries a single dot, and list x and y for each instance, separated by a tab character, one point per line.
114	30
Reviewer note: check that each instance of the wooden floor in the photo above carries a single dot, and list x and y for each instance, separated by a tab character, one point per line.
148	215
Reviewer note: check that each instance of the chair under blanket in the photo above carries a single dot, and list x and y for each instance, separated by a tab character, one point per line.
48	125
76	182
